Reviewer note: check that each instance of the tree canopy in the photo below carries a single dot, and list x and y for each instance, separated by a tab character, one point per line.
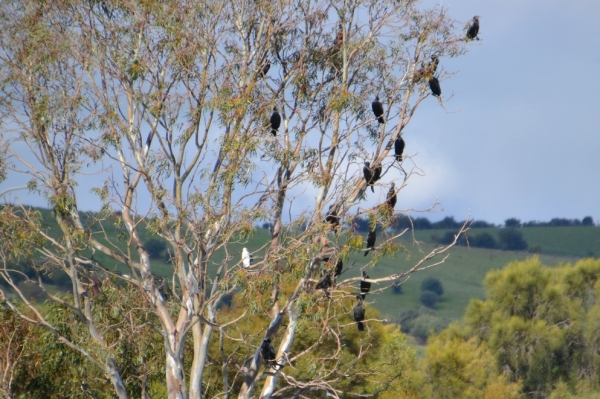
166	108
537	330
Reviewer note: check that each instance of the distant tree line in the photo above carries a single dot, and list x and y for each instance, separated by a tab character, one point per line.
509	239
401	222
555	222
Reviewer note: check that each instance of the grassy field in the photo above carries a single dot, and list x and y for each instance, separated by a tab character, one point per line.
461	275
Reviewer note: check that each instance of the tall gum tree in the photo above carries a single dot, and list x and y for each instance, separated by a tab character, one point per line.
166	106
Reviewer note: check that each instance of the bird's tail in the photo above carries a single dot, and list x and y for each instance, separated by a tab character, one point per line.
274	132
399	158
380	119
361	326
367	252
372	189
363	296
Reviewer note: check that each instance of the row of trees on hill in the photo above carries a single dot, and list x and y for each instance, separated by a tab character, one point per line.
401	222
555	222
508	239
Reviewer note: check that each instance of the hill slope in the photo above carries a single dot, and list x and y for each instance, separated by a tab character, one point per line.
461	275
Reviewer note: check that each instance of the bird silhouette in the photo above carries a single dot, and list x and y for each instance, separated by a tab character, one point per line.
359	313
265	69
434	85
391	197
324	282
399	145
368	174
377	169
370	241
268	352
339	266
377	110
275	121
371	174
473	29
365	286
333	218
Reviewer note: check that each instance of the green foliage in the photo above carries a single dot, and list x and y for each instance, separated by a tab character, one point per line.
433	284
155	248
483	240
458	367
47	368
540	324
406	318
512	222
587	221
511	239
425	325
19	234
429	298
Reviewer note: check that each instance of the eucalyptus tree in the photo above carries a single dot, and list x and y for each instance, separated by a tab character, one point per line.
166	108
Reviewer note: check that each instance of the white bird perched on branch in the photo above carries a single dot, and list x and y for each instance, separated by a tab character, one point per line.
246	258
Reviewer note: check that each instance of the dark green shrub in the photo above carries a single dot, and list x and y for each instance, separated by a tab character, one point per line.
429	299
511	239
425	325
483	240
406	318
432	284
155	247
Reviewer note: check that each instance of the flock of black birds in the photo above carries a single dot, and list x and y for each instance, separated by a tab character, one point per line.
372	174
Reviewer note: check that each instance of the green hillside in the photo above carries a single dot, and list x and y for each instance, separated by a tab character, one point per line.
461	275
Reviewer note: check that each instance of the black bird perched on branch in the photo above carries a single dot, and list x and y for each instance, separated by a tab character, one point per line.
333	218
377	169
338	268
372	174
324	282
365	286
265	69
368	174
275	121
268	352
473	29
399	145
359	313
371	241
434	85
391	197
377	110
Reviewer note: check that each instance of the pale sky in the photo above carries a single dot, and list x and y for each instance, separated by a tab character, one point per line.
520	136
